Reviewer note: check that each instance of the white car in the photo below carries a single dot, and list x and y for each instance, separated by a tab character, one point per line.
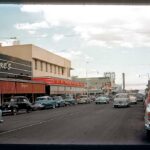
121	100
147	119
133	99
1	118
84	99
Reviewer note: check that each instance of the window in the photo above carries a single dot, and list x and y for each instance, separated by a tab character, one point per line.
54	69
68	72
35	64
51	68
58	70
41	63
46	67
62	71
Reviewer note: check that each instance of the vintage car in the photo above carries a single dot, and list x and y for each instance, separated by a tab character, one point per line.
69	100
59	101
37	105
140	97
46	101
16	104
1	118
102	100
121	100
147	119
133	98
83	99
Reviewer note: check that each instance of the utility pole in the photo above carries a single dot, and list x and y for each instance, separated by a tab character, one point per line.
87	90
123	79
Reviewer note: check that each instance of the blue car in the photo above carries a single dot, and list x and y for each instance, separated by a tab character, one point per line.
59	101
46	101
69	100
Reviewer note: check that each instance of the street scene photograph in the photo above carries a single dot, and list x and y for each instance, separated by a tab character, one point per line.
74	74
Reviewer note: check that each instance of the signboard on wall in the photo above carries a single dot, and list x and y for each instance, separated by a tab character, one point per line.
12	67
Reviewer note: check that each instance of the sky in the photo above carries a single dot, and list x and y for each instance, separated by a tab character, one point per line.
96	38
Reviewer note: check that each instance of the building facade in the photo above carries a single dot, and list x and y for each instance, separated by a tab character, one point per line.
25	65
43	62
95	85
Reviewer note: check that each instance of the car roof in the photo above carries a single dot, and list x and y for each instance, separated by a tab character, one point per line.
18	97
43	97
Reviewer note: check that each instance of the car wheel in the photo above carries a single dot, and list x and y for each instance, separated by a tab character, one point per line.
14	111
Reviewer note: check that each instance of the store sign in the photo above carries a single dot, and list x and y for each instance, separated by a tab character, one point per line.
5	65
13	67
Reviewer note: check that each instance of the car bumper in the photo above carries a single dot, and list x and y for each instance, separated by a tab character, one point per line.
81	102
120	105
133	102
100	102
7	111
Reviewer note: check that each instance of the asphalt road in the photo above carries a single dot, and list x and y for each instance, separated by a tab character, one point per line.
80	124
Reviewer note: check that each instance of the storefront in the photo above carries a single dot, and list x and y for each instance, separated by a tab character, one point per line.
15	78
61	86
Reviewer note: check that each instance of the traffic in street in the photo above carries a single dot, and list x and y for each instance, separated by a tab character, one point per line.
78	124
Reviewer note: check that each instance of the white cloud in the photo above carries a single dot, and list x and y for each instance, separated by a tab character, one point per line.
31	8
111	26
32	32
8	42
58	37
32	26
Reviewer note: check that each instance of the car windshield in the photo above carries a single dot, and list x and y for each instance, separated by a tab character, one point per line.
57	98
122	96
133	94
41	98
83	96
13	100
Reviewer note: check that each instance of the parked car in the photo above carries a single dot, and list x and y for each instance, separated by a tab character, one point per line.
1	118
140	97
83	99
60	102
121	100
107	98
147	119
46	101
101	100
133	98
92	97
16	104
37	105
69	100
